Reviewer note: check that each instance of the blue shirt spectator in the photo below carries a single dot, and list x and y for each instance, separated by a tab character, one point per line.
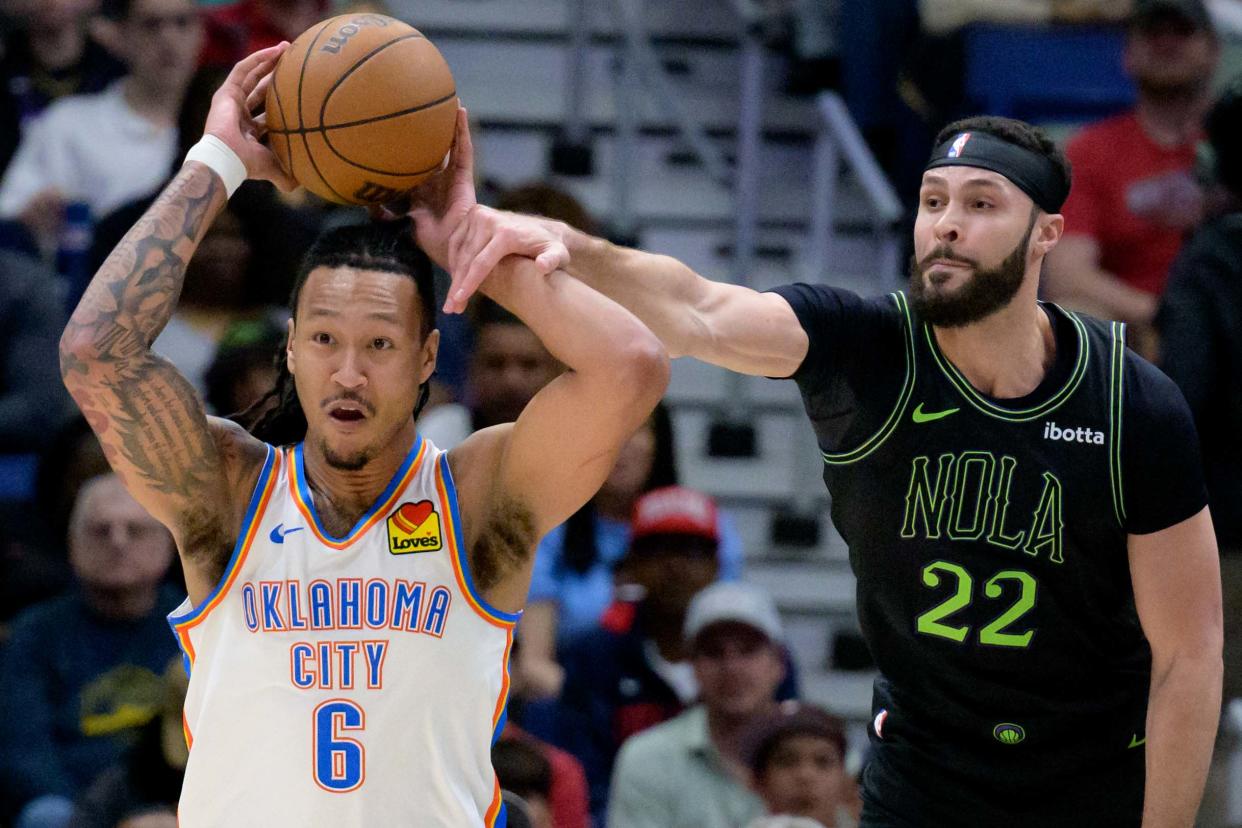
80	674
582	597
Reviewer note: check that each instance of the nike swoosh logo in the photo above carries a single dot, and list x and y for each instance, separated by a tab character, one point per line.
1135	741
278	536
919	417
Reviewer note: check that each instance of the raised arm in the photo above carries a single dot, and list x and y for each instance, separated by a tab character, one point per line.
183	467
525	478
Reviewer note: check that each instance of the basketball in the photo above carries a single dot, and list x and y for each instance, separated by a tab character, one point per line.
361	108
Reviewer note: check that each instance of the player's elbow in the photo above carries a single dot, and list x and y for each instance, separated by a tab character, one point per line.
643	366
75	350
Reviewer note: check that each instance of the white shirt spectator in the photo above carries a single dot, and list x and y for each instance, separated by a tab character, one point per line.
92	148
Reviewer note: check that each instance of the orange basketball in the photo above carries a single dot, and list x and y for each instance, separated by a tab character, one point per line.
361	109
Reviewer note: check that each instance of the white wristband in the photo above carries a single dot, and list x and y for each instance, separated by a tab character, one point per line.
220	159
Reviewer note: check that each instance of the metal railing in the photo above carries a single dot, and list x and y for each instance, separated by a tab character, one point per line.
839	140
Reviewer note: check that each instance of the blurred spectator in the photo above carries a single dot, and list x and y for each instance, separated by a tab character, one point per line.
1200	324
796	757
1134	195
244	367
540	199
237	30
522	769
143	789
633	671
73	457
211	300
572	583
230	282
71	703
32	398
462	375
33	562
49	56
690	770
567	789
33	405
111	147
507	369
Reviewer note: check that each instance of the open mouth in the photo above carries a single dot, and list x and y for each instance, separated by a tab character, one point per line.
347	411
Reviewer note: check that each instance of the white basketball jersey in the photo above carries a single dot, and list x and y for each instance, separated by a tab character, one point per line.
355	681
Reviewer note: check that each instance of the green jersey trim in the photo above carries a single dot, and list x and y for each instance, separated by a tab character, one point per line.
989	408
903	399
1116	392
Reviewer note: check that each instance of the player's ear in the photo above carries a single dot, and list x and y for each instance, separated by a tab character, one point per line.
431	346
1048	230
289	361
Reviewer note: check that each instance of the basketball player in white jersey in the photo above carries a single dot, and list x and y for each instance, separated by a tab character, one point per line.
352	589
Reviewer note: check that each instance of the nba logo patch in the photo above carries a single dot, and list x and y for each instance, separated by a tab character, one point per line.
414	527
959	144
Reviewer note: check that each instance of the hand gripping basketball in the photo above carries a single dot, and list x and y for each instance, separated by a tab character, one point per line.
234	118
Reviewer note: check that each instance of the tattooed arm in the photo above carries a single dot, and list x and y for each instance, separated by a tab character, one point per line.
186	469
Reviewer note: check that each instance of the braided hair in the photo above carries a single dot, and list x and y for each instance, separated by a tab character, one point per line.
384	246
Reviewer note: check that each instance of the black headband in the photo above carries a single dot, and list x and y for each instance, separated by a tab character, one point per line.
1030	172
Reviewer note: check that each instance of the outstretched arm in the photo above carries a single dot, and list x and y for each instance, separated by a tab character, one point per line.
727	325
731	326
180	466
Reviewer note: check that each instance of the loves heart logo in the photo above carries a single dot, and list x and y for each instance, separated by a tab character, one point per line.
414	527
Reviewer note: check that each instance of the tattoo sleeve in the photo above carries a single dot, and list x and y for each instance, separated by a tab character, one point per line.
148	417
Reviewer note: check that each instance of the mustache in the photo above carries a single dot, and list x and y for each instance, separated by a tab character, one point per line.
946	253
350	397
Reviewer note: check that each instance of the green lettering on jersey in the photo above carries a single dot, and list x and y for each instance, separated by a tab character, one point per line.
1048	522
926	502
974	477
999	505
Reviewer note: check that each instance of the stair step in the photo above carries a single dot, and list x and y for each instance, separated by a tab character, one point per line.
704	21
524	84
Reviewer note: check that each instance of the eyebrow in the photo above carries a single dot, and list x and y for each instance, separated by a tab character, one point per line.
332	314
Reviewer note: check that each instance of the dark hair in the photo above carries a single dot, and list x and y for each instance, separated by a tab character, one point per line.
1018	133
522	768
247	344
792	718
580	550
540	199
1224	131
384	246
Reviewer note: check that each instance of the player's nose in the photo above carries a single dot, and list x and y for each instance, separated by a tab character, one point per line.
349	373
948	226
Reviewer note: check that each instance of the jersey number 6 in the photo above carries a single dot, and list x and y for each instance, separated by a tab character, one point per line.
340	762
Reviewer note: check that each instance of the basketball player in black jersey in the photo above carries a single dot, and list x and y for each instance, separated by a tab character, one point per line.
1021	496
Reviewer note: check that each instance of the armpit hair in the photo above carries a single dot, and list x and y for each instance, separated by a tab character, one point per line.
505	544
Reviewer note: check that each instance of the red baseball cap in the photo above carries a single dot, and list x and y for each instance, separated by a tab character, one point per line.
674	510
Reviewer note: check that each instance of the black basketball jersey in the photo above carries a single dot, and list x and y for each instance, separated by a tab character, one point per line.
988	539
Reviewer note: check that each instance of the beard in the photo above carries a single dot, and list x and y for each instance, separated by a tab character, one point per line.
345	462
984	292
